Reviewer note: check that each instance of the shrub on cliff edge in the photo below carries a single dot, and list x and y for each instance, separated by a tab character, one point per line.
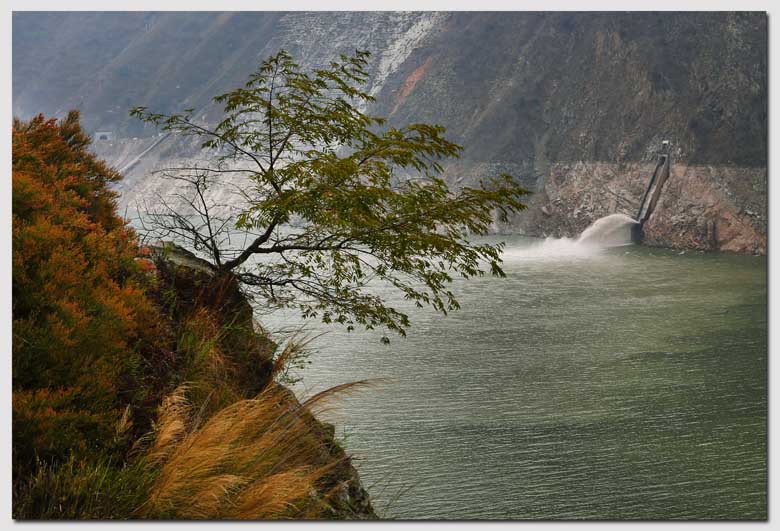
83	329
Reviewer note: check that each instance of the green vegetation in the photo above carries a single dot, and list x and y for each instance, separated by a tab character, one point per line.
330	200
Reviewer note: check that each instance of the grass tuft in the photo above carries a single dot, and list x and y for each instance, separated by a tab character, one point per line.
260	458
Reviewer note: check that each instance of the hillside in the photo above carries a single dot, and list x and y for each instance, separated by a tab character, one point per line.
534	94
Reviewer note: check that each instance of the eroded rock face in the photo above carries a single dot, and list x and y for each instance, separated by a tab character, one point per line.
711	208
701	207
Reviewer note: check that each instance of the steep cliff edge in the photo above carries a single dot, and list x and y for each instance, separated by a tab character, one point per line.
191	286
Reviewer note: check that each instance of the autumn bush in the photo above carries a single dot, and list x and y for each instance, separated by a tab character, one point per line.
84	331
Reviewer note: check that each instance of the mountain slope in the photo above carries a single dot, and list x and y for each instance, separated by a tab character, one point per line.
522	92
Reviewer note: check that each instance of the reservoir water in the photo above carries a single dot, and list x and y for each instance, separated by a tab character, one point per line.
627	382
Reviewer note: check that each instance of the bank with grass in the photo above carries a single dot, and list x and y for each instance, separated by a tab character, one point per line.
142	387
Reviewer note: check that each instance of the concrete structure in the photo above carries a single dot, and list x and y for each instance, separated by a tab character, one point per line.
652	193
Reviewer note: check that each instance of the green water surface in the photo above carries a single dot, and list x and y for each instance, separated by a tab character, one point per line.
626	384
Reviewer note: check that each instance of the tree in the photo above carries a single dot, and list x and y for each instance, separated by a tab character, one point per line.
329	198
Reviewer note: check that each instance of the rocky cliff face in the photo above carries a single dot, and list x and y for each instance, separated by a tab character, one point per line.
702	207
527	93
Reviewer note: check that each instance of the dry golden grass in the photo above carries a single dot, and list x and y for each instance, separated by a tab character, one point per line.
291	349
255	459
216	455
174	413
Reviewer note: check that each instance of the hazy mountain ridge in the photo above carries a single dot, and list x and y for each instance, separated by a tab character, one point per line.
521	91
581	86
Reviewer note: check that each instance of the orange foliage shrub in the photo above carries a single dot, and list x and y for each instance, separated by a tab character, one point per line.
82	325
